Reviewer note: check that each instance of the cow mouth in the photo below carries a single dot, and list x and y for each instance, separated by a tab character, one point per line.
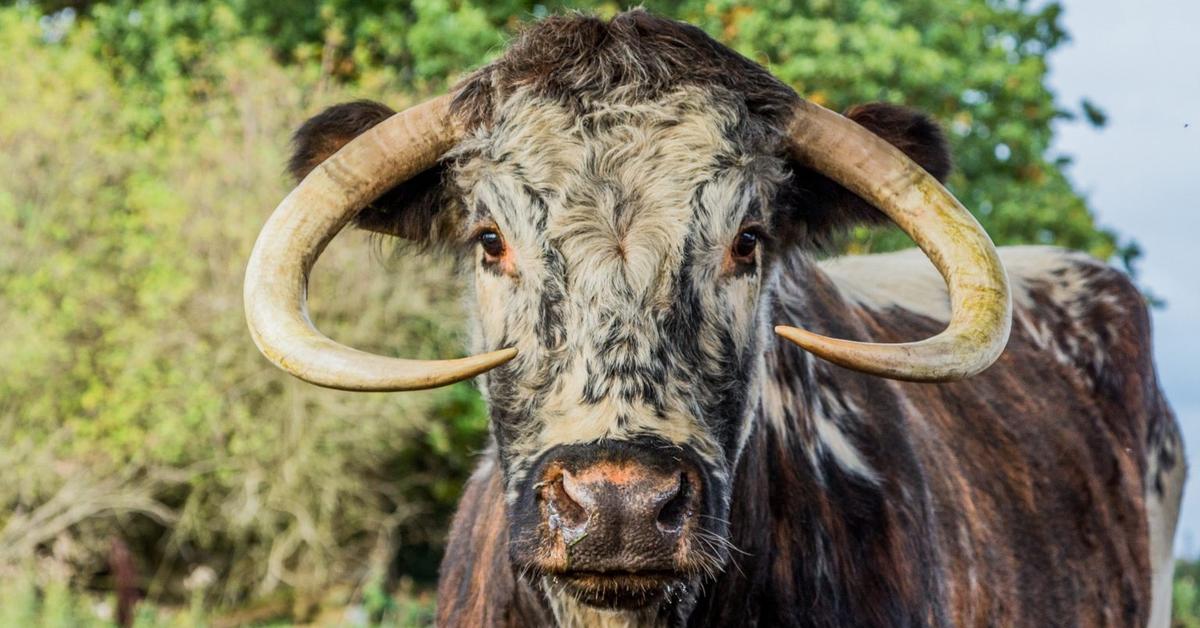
618	590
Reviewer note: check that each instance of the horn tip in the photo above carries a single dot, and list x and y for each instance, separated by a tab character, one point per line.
794	334
506	354
488	361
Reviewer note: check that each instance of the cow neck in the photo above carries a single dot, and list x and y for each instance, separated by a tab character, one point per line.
828	465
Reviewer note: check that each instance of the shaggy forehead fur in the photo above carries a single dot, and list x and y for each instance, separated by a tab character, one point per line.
580	60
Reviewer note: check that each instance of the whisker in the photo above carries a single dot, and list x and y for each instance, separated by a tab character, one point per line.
716	518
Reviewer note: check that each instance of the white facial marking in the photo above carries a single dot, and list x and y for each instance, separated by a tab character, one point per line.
602	213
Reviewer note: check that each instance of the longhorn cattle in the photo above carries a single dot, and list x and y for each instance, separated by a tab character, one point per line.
638	209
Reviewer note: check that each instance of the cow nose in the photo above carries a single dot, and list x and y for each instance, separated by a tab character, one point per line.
639	504
628	516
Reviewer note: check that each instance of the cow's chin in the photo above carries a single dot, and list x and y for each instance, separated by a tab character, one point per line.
620	590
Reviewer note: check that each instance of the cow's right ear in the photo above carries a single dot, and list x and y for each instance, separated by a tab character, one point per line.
822	209
415	210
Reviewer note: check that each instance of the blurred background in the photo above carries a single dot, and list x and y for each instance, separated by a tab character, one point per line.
144	441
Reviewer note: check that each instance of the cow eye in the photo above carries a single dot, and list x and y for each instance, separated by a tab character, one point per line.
744	246
492	243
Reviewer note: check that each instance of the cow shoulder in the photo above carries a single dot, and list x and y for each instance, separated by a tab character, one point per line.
1086	314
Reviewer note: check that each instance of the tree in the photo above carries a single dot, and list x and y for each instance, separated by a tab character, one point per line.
979	66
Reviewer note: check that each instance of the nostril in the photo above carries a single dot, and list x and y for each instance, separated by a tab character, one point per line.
566	501
676	510
574	490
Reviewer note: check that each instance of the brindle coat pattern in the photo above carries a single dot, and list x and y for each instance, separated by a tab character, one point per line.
1012	499
1017	497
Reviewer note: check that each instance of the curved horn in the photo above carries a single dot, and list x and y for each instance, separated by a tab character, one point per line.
963	253
309	217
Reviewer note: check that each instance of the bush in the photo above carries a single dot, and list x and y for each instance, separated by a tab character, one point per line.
134	404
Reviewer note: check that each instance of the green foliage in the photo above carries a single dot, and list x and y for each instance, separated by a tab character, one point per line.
979	67
144	143
134	404
1185	601
31	599
159	41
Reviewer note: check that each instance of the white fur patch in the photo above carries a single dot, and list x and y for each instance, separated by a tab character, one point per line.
571	613
781	401
908	280
839	447
904	279
1162	514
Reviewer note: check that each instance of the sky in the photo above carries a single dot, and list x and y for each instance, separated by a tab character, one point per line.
1140	62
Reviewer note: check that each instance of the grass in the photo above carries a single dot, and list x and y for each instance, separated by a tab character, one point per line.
25	602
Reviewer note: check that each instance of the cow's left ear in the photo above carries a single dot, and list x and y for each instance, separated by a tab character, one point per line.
415	210
818	209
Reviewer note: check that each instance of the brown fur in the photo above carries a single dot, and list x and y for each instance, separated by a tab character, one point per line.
478	576
1011	499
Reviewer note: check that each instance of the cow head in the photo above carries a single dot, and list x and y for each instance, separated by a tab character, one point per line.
621	192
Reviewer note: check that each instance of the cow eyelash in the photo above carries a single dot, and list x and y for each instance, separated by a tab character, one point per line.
491	241
492	244
747	242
